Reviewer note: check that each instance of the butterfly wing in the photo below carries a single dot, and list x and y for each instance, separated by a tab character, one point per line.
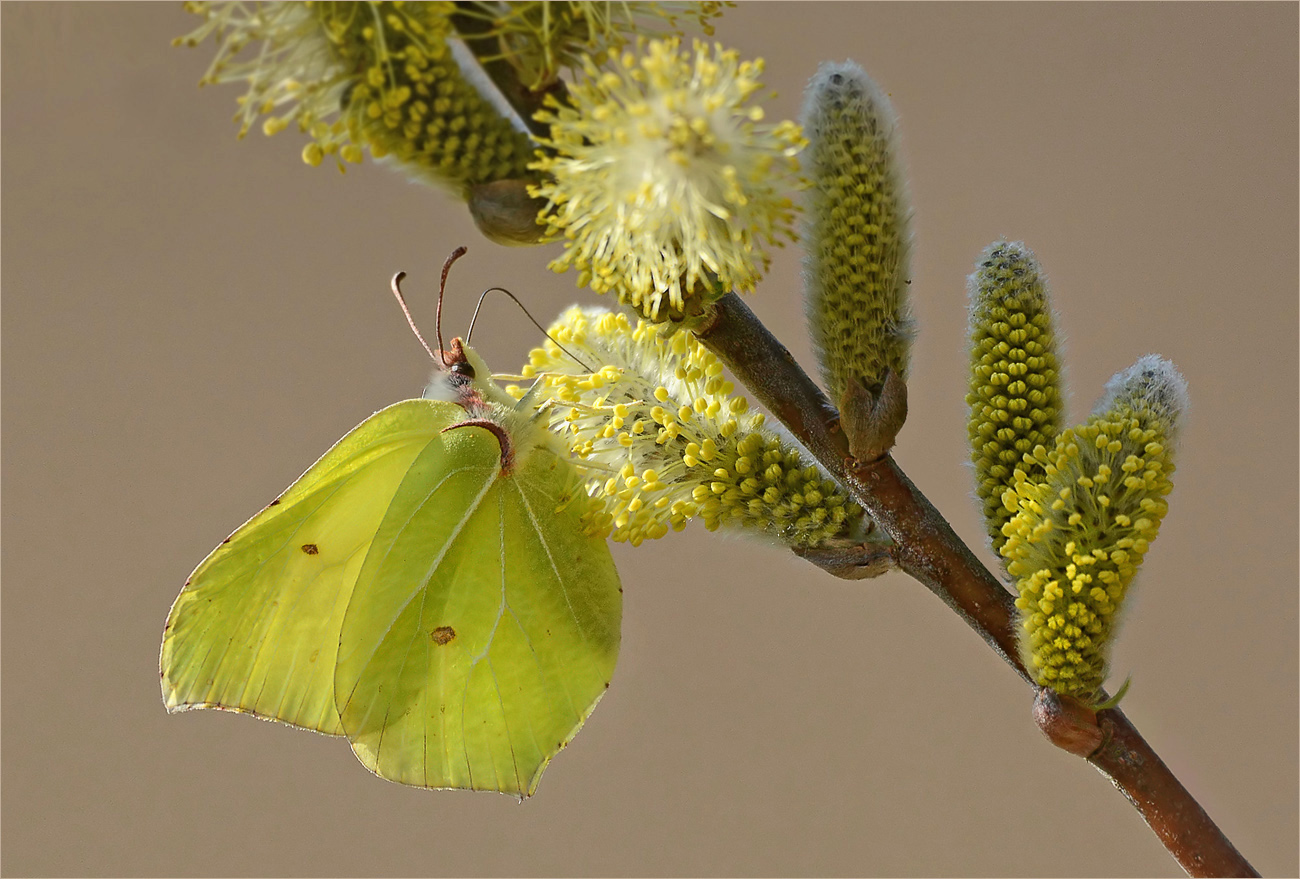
484	626
256	627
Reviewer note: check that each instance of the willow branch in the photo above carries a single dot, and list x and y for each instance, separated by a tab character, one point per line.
926	546
931	552
1184	828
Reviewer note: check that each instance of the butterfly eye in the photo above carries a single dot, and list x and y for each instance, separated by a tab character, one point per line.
462	368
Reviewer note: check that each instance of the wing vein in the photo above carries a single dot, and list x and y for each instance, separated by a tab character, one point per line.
546	678
505	720
564	590
505	606
422	582
262	621
550	558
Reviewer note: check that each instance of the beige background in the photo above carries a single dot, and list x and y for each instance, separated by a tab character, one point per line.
190	320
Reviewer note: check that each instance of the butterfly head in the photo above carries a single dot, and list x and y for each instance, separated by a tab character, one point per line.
463	378
461	366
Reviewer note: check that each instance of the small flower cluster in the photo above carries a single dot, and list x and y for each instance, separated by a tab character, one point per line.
663	181
357	74
1079	529
856	231
1015	394
658	418
541	39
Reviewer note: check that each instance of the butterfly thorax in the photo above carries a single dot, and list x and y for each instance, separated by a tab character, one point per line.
466	381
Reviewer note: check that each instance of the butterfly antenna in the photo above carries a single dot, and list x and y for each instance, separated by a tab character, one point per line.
528	315
442	290
401	300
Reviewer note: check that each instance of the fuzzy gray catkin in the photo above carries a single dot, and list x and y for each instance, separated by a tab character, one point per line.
855	231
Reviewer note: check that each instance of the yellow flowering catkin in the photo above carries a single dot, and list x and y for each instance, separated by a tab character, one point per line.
667	440
356	74
663	180
855	232
1079	532
1015	394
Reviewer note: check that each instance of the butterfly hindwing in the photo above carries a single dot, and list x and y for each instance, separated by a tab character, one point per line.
468	660
573	603
256	627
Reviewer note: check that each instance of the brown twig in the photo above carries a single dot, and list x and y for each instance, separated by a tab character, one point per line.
1173	814
475	28
929	550
926	547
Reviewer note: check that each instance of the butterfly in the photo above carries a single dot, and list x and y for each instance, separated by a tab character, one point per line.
427	589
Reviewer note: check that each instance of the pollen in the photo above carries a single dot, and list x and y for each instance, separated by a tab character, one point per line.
730	472
1103	531
662	183
350	76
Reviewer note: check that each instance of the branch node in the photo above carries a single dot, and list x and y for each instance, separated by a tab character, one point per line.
1067	723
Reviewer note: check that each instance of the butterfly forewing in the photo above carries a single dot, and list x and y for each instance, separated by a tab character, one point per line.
256	627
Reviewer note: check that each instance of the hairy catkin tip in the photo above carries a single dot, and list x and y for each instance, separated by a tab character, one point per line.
1153	386
855	231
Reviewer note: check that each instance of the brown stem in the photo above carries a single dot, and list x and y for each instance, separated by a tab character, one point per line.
1172	813
762	364
929	550
926	547
473	21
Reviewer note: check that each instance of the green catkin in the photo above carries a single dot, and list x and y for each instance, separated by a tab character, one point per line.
413	103
356	74
667	440
855	233
1080	530
1015	393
